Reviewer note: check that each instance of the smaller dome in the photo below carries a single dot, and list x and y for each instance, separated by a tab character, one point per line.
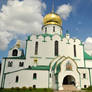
52	18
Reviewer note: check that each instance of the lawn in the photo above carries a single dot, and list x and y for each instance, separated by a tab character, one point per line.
26	90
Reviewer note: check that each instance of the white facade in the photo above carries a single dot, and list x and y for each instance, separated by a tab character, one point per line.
46	65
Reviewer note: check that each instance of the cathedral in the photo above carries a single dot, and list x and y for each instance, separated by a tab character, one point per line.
51	60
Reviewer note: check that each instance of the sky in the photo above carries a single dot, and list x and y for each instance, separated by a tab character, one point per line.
21	18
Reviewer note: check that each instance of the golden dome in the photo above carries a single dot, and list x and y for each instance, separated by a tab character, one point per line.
52	18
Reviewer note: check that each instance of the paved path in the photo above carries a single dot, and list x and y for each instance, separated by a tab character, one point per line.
69	88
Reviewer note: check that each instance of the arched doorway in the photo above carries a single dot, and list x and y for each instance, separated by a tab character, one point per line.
69	80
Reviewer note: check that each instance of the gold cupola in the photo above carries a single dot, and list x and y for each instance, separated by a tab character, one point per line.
52	18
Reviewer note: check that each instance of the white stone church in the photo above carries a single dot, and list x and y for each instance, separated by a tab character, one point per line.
51	60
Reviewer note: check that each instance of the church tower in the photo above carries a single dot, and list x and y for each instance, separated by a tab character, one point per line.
52	23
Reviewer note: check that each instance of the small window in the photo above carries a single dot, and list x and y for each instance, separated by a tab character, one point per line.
85	86
21	64
50	75
29	66
34	86
53	28
56	48
34	76
84	75
17	78
10	63
45	29
36	48
15	52
74	50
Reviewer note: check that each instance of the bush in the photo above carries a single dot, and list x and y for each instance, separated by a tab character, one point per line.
24	88
17	88
45	89
89	88
30	88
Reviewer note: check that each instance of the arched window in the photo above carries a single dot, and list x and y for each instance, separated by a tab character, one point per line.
50	75
36	48
74	50
34	76
15	52
17	78
21	64
56	48
53	28
10	63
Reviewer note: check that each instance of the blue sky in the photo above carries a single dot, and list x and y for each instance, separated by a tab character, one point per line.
79	21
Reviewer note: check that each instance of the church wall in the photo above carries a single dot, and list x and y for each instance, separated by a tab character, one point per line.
46	49
80	56
88	63
2	69
15	65
26	79
86	80
54	85
91	76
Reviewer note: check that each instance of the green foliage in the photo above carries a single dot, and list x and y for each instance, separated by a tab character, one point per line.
17	88
30	88
89	89
24	88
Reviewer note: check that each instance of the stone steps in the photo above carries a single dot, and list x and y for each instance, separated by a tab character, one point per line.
70	91
69	88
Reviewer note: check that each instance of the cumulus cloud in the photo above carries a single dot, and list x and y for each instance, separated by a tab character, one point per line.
20	18
88	45
5	39
64	10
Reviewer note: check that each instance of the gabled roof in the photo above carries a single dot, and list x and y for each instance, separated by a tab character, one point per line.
87	57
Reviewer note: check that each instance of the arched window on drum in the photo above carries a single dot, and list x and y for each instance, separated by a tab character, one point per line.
15	52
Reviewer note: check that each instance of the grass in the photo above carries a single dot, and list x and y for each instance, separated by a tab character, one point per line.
89	89
30	89
24	89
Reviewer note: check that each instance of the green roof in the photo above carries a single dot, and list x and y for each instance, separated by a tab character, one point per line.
20	57
87	57
39	68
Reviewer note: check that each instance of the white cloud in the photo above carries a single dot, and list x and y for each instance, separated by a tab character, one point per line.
88	45
64	10
23	43
20	18
5	38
